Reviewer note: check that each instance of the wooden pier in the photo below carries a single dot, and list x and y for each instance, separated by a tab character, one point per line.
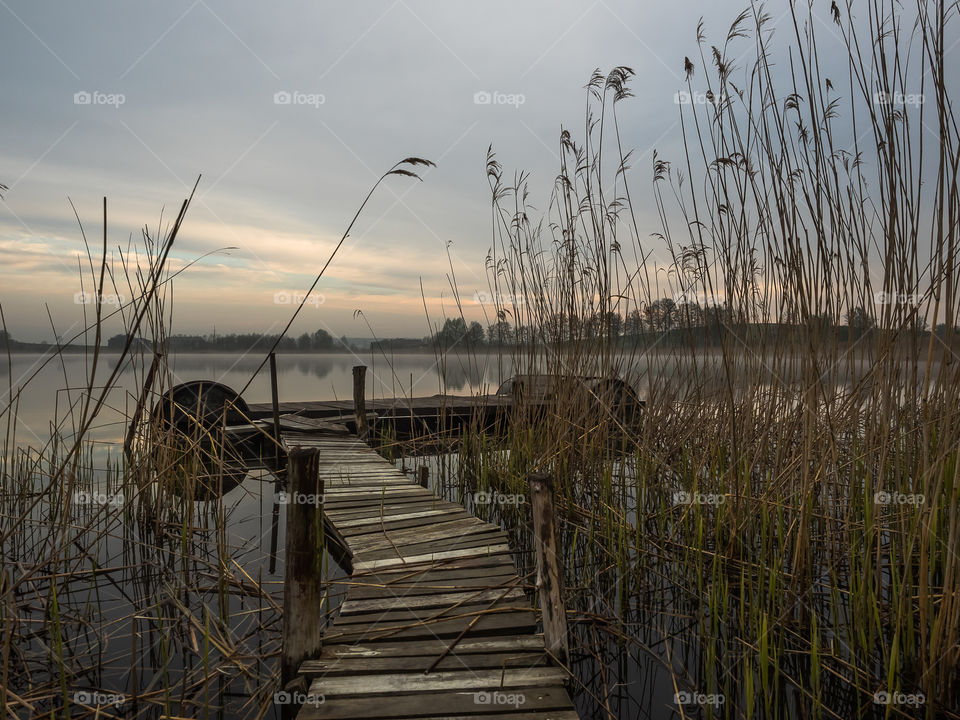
401	417
435	622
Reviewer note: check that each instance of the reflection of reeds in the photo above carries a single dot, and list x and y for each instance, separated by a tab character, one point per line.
803	579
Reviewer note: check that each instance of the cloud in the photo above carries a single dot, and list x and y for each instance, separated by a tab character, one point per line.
281	181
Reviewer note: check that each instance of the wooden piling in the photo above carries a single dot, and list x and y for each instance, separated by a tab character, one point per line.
278	479
359	399
549	575
303	596
275	398
424	474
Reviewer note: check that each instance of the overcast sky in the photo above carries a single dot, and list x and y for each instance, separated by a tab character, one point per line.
290	111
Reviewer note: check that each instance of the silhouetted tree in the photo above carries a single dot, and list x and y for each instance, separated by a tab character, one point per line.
475	334
453	332
500	333
859	320
322	340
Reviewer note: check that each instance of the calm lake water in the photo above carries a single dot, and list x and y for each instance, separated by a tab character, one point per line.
135	598
142	640
60	385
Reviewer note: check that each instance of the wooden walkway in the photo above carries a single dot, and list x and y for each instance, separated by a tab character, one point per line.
402	416
432	589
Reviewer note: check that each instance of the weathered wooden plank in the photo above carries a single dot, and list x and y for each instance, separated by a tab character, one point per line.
356	464
553	702
387	524
372	479
393	514
491	578
375	499
384	545
364	507
484	538
383	484
495	714
449	680
421	514
351	462
466	567
374	510
355	467
498	623
290	422
435	600
403	616
424	533
376	492
370	666
433	647
409	561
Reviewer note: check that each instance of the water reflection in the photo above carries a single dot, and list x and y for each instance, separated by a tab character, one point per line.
59	388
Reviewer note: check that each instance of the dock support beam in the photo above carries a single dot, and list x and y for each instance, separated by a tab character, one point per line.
549	577
303	597
360	399
275	401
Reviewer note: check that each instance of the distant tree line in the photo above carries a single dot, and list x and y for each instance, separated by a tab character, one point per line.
319	341
663	321
679	322
7	343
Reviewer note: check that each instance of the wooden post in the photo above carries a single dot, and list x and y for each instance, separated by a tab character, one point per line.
275	397
518	399
549	575
359	399
278	479
424	475
303	597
